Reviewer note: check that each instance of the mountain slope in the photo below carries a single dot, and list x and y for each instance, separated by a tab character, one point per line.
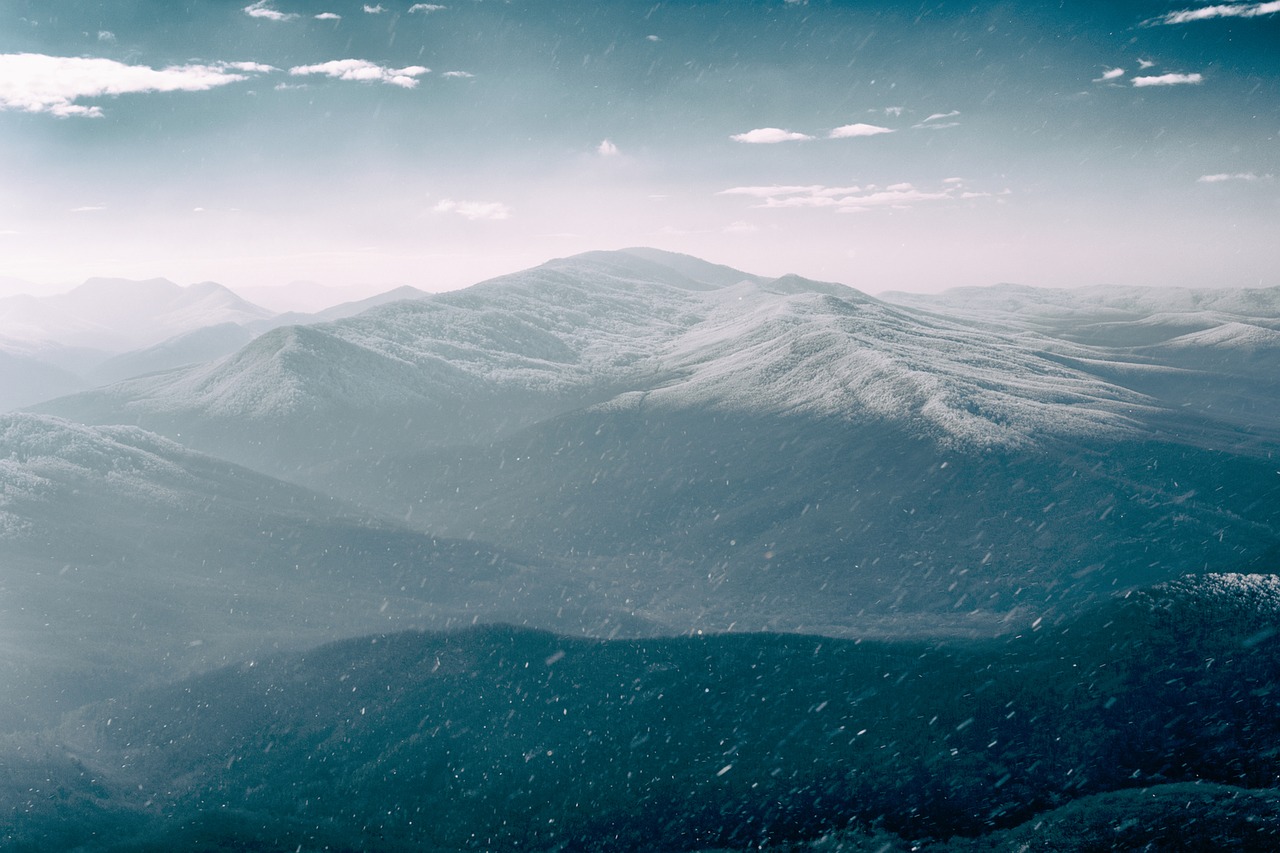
126	558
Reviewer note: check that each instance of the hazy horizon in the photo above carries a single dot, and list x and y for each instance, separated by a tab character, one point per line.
437	145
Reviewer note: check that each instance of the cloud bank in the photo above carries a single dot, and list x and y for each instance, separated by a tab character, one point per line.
37	83
363	71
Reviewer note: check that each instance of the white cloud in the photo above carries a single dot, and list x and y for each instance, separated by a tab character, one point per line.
769	191
89	208
652	38
853	199
1223	176
1144	64
769	136
1109	74
261	10
607	149
364	71
940	116
249	67
1168	80
938	121
36	83
893	111
740	227
374	10
849	131
106	35
457	74
425	7
474	210
1225	10
328	16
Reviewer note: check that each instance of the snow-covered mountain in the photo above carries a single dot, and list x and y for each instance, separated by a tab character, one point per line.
773	453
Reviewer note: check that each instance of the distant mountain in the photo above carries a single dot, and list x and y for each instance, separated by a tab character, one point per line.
207	343
306	297
1144	715
717	449
117	315
343	310
25	380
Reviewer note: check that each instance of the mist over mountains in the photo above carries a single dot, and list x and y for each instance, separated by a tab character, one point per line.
976	495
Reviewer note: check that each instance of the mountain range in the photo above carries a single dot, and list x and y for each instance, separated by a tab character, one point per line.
636	551
722	449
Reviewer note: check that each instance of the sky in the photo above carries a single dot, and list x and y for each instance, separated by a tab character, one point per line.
887	145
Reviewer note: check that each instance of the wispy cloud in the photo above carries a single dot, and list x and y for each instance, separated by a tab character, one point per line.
1169	80
652	38
607	149
769	136
852	199
1225	176
89	208
893	111
425	7
262	9
374	10
328	16
36	83
1109	74
107	36
938	121
364	71
474	210
458	74
849	131
1224	10
1144	64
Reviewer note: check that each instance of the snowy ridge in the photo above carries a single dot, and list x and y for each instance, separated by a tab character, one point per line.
1232	335
41	455
822	355
684	334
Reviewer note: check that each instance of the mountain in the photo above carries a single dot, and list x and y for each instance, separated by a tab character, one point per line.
343	310
25	380
716	449
1130	722
207	343
125	558
116	315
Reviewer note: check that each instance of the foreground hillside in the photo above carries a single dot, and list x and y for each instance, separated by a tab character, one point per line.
1150	719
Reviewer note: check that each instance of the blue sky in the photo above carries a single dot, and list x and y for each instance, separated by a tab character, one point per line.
912	146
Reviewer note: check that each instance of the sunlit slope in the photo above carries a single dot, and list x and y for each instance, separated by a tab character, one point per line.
500	738
125	558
